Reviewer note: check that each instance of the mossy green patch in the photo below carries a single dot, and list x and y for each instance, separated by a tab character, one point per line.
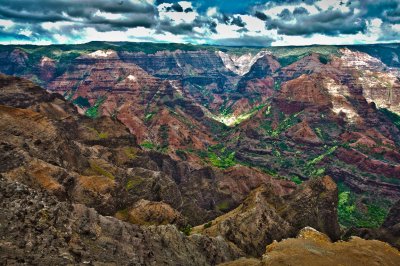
148	145
133	182
207	225
350	215
100	135
220	156
395	118
131	152
284	123
99	170
93	112
296	180
223	206
186	230
82	102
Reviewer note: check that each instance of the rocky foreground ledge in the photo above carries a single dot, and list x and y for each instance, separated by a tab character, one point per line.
37	229
311	247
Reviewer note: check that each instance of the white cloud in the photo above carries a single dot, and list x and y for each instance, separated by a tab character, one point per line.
6	23
212	12
185	4
56	25
176	17
107	15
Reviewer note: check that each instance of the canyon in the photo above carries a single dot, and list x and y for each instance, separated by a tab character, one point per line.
198	155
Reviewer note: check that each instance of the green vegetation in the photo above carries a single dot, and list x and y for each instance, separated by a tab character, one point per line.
181	154
289	55
223	206
187	229
133	182
163	132
149	116
68	95
310	168
148	145
93	112
319	158
103	135
282	126
207	225
222	161
296	180
277	85
371	216
82	102
324	59
395	118
100	135
220	156
130	152
225	110
98	170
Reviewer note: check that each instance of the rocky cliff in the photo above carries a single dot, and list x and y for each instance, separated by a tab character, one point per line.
291	112
311	247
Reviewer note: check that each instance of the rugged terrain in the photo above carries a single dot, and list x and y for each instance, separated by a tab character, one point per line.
248	145
311	247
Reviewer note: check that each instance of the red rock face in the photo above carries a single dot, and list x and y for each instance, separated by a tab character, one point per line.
47	69
142	102
305	65
302	132
302	92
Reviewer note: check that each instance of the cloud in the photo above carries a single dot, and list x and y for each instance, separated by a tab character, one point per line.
261	15
299	11
233	20
286	15
251	22
246	40
330	22
76	10
175	7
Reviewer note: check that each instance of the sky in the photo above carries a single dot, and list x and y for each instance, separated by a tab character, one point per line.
216	22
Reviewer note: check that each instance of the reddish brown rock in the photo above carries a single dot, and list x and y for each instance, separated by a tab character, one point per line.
302	132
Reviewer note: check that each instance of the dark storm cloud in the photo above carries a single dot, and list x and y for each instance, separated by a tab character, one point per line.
374	8
138	20
393	16
182	28
261	15
32	11
238	22
23	15
286	15
234	20
246	40
175	7
298	11
329	22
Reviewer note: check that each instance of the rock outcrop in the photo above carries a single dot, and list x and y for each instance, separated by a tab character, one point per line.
314	248
38	229
264	216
